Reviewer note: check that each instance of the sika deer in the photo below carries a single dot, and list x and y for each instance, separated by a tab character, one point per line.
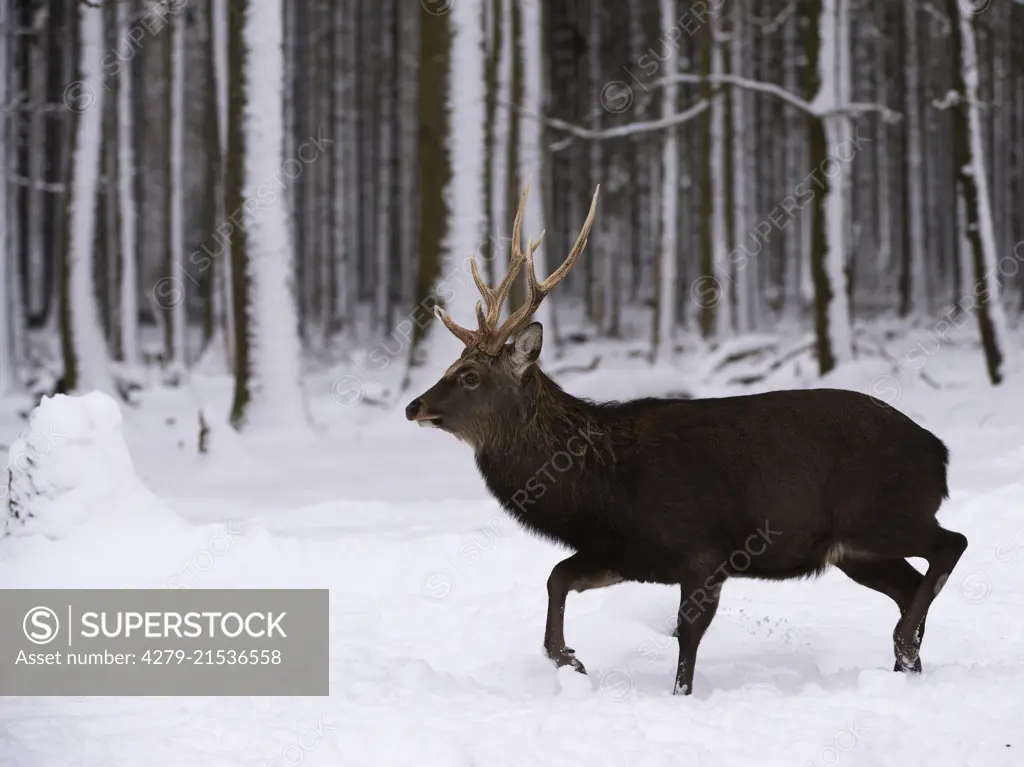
673	491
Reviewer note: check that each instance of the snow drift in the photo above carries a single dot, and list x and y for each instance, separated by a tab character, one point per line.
70	469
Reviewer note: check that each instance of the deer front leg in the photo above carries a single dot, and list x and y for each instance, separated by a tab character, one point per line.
577	573
697	607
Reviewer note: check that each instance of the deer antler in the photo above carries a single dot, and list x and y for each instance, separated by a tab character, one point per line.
490	337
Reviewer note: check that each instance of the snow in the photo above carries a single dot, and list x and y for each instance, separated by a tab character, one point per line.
70	472
438	599
274	335
88	345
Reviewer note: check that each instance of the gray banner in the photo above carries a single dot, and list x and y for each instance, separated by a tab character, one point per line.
94	642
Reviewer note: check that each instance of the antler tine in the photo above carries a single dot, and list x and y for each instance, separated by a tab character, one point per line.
467	336
485	291
516	260
581	242
536	291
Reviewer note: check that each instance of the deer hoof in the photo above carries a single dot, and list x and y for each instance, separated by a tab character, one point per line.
908	668
565	657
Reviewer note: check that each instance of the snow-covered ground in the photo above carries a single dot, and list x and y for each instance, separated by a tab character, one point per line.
438	600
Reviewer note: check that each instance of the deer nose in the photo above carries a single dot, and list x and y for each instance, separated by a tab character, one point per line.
412	409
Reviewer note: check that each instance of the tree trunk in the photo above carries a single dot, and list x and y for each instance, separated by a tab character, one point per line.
434	160
711	287
663	346
972	180
128	213
513	142
531	134
86	358
8	364
719	242
913	288
267	378
828	73
743	269
175	300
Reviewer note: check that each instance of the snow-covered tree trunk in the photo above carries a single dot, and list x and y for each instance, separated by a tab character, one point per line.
176	327
268	393
531	132
452	109
126	203
665	280
492	27
829	129
86	357
464	147
969	153
915	294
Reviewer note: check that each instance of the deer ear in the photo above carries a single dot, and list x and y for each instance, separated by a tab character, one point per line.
527	347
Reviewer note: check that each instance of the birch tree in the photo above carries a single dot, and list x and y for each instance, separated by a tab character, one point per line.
86	357
973	189
268	393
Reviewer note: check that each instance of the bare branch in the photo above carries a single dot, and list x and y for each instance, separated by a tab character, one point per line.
619	131
777	90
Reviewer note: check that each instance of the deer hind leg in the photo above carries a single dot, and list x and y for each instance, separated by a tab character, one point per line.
577	573
896	578
946	549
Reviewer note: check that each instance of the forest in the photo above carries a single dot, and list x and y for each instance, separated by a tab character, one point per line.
259	188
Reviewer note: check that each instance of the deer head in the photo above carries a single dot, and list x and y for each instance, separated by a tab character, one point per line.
490	377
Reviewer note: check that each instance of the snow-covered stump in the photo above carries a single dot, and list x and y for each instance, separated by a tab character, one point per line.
70	470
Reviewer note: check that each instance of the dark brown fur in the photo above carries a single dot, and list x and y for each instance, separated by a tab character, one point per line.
691	492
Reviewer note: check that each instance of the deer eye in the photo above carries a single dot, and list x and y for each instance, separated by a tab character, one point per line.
469	379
